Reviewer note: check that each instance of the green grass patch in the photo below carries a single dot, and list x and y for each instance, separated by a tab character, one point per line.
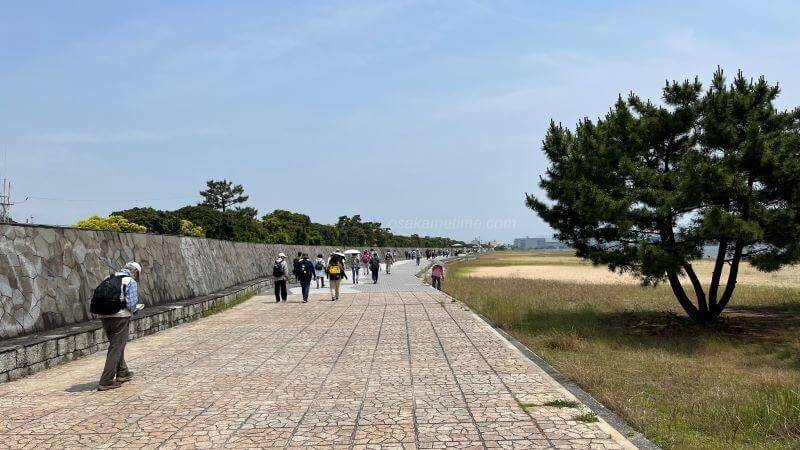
562	404
588	417
218	309
730	385
553	404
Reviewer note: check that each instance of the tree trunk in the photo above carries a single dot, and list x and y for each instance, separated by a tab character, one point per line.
717	274
731	284
683	299
698	288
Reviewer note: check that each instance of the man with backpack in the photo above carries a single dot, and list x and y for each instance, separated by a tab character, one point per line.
279	272
375	267
319	270
336	273
114	301
305	274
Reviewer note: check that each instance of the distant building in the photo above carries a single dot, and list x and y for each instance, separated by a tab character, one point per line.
539	243
529	243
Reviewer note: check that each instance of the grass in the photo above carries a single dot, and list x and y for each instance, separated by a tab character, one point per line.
553	404
731	385
588	417
218	309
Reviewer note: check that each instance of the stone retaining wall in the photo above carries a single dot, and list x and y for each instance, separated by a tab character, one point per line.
32	353
47	274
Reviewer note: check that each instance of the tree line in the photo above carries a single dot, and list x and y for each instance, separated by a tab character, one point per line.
221	216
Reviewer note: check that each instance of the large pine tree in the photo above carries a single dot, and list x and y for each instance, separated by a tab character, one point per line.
646	188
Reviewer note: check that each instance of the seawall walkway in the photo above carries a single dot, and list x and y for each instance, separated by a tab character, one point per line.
392	365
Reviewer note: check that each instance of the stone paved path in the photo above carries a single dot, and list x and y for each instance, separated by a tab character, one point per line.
396	366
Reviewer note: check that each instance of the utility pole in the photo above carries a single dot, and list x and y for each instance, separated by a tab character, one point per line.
5	201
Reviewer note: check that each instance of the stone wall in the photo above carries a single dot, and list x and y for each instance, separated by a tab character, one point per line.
47	274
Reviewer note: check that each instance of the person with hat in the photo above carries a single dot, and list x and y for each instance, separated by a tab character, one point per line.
116	328
280	271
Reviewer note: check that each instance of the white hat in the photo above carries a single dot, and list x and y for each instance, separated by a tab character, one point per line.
134	265
281	255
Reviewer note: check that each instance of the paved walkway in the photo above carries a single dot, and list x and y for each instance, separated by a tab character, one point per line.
396	366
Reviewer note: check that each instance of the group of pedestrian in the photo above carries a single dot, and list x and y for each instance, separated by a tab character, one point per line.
306	271
116	299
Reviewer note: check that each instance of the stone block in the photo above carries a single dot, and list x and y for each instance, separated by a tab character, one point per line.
3	377
52	362
38	367
48	234
99	336
66	345
17	373
8	360
81	341
5	286
50	349
34	354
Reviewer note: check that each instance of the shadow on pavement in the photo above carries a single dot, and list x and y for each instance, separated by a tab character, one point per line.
83	387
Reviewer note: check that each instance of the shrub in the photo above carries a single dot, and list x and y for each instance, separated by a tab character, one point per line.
190	229
113	223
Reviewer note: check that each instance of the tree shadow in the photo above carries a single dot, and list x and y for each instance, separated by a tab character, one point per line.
768	326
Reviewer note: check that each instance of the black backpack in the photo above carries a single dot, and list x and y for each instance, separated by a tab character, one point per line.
277	269
296	267
302	270
107	296
319	266
374	263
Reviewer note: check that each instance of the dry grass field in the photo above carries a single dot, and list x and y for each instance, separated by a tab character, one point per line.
734	384
564	267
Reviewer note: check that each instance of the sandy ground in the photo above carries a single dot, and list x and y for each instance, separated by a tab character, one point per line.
581	273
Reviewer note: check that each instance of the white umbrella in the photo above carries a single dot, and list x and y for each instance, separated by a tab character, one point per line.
351	252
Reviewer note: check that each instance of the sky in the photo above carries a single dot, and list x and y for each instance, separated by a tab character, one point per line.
426	116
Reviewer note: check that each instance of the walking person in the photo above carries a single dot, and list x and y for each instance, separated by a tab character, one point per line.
365	257
319	270
305	274
280	270
437	274
389	260
355	265
375	267
336	273
114	301
417	255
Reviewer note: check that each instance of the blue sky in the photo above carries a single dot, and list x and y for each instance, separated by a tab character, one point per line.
425	115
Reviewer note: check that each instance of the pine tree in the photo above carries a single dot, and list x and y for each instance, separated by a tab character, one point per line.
222	194
646	188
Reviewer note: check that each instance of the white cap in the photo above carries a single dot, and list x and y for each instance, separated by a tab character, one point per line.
281	255
134	265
